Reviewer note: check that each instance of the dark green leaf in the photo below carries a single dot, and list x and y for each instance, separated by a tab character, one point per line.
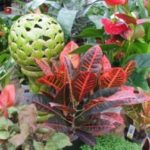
91	32
82	49
143	60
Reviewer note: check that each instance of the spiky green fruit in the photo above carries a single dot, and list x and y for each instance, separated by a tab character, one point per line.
35	36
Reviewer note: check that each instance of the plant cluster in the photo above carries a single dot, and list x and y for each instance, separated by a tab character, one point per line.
82	89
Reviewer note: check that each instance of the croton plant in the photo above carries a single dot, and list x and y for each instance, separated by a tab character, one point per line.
83	92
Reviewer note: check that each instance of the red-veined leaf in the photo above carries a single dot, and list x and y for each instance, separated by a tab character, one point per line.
113	117
86	137
126	18
127	97
106	65
62	107
83	84
58	124
120	98
90	62
93	103
56	81
75	58
130	67
99	128
115	77
44	66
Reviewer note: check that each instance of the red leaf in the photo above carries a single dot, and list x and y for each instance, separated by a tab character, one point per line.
75	58
7	97
90	62
127	97
44	66
116	2
113	117
106	65
93	103
62	107
114	28
83	84
115	77
130	67
100	128
127	19
55	81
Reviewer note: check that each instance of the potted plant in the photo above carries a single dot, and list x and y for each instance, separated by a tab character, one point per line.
82	89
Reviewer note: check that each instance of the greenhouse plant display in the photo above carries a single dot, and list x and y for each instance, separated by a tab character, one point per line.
85	69
82	89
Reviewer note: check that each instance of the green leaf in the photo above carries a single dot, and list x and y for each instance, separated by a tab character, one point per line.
107	47
143	60
82	49
66	19
58	141
35	3
138	80
4	135
5	128
96	20
90	32
38	145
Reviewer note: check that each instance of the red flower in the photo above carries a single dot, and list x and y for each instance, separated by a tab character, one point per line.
114	28
116	2
7	98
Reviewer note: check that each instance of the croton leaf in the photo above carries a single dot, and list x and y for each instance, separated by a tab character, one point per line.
56	81
83	84
86	137
126	18
75	58
115	77
59	124
44	66
106	65
63	108
120	98
90	62
104	92
101	126
113	117
130	67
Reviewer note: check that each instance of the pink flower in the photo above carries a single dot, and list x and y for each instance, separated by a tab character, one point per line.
116	2
114	28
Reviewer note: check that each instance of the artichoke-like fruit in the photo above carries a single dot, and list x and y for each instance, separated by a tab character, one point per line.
35	36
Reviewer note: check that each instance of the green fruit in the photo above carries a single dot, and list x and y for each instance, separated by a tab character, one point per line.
35	36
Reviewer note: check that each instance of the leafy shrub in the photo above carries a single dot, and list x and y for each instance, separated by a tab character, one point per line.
112	142
82	89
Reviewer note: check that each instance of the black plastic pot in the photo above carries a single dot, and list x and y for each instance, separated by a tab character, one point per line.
138	136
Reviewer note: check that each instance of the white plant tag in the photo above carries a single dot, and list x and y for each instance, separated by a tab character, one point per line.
131	131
